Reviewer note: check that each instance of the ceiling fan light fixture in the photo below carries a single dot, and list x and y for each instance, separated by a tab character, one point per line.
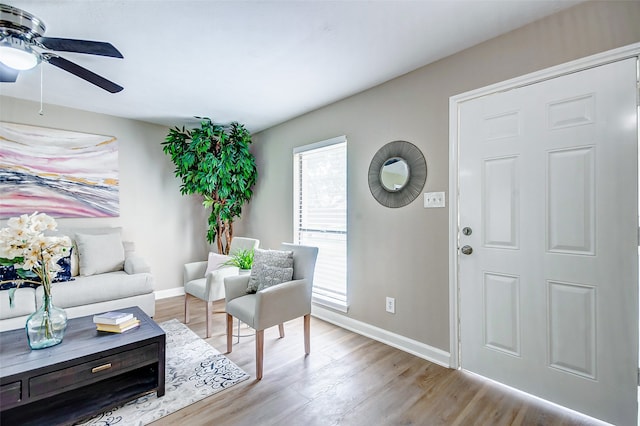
18	56
23	46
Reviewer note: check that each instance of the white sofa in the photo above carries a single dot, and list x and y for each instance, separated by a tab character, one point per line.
129	283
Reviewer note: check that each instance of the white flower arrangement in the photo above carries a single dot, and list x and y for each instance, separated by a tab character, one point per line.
24	245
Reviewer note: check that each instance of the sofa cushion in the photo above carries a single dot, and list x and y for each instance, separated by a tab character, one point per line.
128	246
24	303
100	253
70	232
98	288
136	265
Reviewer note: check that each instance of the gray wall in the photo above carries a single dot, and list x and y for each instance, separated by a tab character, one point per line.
168	229
403	252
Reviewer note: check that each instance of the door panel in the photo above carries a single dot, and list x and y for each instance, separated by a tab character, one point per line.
502	313
500	203
572	328
571	201
548	184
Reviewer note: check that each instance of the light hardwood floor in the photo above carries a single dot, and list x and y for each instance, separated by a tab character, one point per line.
347	379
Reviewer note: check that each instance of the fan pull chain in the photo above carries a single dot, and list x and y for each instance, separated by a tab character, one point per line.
41	112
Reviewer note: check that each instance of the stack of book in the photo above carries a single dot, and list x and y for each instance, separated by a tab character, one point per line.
115	322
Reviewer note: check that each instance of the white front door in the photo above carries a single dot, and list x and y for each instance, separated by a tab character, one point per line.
548	191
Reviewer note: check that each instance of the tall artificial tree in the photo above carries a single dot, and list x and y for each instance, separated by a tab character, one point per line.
214	161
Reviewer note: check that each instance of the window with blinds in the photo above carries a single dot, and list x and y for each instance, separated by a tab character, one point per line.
320	215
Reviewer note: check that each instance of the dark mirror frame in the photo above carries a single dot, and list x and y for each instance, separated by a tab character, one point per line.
412	155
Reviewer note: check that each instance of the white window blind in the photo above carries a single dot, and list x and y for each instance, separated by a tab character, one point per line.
320	215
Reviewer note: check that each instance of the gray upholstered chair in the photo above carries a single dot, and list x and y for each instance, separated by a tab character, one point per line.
273	305
210	287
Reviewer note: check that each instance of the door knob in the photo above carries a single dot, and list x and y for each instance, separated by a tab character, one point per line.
466	250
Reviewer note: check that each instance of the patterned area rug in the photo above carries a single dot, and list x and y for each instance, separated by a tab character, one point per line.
195	370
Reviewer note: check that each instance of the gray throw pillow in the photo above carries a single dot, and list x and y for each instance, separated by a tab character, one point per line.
273	275
100	253
260	276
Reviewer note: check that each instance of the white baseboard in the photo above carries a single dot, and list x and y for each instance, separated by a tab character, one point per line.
170	292
419	349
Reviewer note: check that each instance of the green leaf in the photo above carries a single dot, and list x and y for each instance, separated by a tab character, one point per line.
214	161
9	262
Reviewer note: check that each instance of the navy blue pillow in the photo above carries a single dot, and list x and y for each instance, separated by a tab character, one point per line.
64	274
8	273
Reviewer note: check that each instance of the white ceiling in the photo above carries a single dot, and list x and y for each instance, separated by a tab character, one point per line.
256	62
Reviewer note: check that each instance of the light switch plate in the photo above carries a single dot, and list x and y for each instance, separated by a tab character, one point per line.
433	200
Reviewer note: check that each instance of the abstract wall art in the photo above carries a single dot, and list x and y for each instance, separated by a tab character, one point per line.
58	172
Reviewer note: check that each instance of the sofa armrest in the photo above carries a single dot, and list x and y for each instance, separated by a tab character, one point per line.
193	271
135	265
282	302
235	286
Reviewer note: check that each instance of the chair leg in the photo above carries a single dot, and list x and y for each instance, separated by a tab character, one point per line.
281	330
259	352
229	333
307	334
208	317
186	308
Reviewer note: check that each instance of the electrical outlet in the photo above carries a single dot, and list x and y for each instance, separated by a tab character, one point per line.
434	199
391	305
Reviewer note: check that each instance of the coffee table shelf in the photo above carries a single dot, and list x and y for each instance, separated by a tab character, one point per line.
87	373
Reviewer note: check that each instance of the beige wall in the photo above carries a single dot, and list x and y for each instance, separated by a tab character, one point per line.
403	253
168	229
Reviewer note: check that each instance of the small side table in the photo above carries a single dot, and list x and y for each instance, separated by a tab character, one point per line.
238	335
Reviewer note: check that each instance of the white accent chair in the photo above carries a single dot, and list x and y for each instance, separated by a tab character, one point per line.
210	288
273	305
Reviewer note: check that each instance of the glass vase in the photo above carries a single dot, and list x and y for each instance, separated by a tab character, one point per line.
46	326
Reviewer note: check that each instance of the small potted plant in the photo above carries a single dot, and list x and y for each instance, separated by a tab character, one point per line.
243	259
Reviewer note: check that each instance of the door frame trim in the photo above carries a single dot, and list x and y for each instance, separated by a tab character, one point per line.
603	58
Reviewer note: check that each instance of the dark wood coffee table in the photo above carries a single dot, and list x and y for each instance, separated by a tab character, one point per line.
87	373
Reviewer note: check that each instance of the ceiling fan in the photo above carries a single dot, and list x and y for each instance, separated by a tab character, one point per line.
22	47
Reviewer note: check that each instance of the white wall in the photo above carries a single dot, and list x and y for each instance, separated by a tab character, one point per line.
168	229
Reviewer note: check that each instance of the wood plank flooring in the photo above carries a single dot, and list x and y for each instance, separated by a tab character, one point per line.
347	379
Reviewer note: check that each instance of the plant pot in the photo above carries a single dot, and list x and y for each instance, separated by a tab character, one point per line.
46	326
245	271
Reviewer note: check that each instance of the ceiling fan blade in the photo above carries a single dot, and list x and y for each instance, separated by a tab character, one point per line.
81	46
7	75
84	74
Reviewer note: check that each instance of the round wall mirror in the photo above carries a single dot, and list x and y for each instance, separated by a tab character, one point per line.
394	174
397	174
